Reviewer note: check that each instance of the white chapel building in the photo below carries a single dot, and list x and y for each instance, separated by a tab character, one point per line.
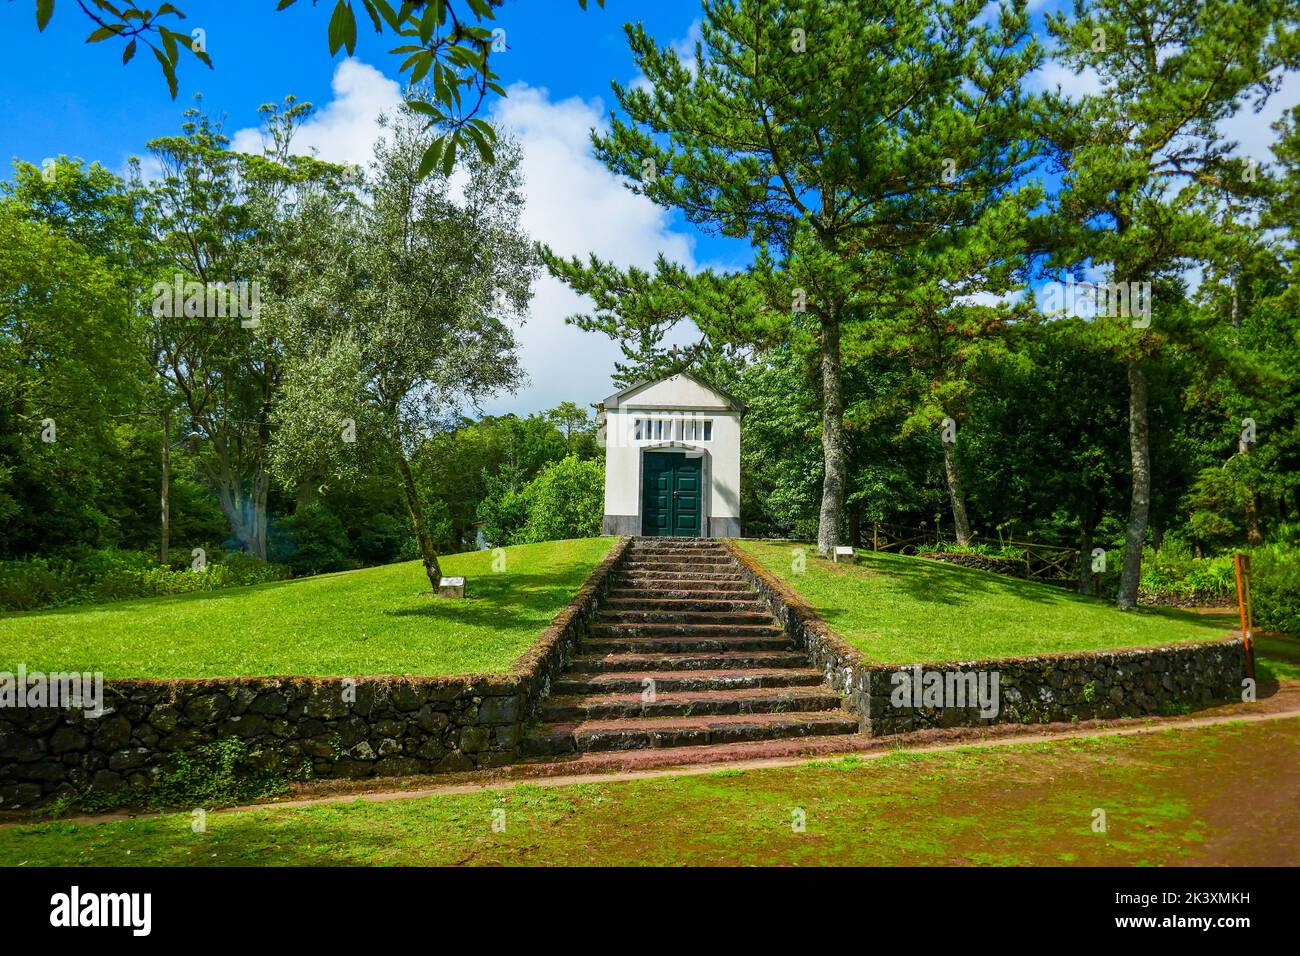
672	459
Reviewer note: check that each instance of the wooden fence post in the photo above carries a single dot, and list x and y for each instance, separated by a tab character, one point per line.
1241	562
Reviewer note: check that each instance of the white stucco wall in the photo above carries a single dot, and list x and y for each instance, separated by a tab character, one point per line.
678	397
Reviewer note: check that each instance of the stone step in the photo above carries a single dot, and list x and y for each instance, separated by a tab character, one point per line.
757	615
675	557
631	761
690	703
706	590
677	567
682	629
701	543
684	554
646	603
605	735
680	620
685	644
623	661
670	577
673	681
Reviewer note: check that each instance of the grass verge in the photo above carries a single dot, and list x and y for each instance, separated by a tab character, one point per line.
1210	795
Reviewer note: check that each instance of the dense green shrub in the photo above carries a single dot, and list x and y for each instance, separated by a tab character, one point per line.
36	582
565	500
29	584
1172	575
313	541
504	512
1275	588
240	569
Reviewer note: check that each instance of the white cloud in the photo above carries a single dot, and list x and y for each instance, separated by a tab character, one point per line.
1253	131
345	129
991	299
576	206
1053	76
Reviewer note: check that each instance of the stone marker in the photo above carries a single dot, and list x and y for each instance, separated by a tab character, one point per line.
843	555
451	587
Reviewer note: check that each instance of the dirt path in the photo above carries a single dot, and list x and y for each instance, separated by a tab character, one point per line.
1282	703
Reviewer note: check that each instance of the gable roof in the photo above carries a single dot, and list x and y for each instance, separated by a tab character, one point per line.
619	397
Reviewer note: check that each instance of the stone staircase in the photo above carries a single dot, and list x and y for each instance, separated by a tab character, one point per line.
684	654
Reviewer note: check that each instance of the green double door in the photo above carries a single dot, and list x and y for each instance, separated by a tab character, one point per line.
670	494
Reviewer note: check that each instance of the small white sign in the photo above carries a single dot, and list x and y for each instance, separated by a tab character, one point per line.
843	549
451	582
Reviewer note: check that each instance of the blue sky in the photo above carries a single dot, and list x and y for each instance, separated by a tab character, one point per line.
59	95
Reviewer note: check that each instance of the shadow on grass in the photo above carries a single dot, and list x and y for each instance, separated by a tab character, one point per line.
501	600
541	591
927	581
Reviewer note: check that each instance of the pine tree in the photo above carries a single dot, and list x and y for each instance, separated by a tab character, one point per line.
1147	171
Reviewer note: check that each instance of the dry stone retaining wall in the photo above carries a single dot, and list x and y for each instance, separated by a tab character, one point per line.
1040	689
331	726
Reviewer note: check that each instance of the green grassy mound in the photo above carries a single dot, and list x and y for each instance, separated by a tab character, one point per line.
374	621
900	609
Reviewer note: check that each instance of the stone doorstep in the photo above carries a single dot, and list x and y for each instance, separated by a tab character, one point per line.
745	700
629	682
686	661
634	734
674	544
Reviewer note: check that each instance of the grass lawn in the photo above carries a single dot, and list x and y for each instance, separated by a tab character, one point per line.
375	621
898	609
1277	658
1213	795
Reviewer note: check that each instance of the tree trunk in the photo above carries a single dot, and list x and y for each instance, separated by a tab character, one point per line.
1085	557
245	511
165	482
1140	505
1254	533
955	494
427	553
257	520
828	525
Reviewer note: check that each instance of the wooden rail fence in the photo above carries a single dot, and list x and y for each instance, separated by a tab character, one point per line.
1042	561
